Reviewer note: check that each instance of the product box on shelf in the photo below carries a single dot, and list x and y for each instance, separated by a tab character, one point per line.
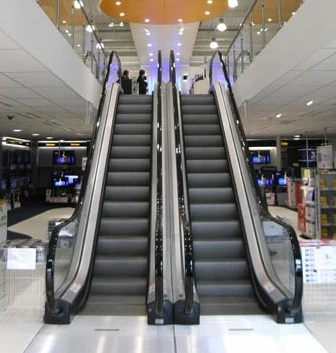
311	229
310	212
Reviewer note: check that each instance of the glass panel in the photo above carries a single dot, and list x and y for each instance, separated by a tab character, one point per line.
281	252
271	16
257	28
64	250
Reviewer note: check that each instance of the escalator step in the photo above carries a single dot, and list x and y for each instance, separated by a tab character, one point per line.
122	209
212	247
198	109
131	266
204	195
200	119
219	269
236	288
132	129
224	229
127	193
203	141
134	109
123	245
132	140
207	166
213	212
135	99
198	99
130	152
118	286
128	178
131	226
205	153
134	118
209	180
205	129
130	165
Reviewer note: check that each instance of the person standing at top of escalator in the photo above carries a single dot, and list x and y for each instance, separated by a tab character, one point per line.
142	82
126	82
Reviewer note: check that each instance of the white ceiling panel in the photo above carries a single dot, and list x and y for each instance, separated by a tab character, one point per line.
329	64
6	43
36	79
7	82
36	102
56	92
19	92
18	61
314	59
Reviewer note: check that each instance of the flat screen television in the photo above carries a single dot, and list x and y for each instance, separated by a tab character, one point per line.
260	157
64	157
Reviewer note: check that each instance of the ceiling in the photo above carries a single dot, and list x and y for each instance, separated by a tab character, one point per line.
40	103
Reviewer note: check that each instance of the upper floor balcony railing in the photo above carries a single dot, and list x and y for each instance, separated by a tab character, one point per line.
72	21
261	24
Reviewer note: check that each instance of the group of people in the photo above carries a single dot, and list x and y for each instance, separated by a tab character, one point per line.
126	82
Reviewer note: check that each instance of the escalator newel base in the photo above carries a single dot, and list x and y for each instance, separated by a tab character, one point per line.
165	319
284	317
63	317
180	316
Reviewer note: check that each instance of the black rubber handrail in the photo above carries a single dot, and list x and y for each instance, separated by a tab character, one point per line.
50	261
159	306
184	210
296	303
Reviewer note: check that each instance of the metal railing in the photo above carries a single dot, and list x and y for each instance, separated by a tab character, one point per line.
71	19
260	25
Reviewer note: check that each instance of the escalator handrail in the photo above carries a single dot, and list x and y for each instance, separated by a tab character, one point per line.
184	210
296	303
158	223
50	259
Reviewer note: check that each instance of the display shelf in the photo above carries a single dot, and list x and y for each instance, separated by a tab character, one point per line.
326	201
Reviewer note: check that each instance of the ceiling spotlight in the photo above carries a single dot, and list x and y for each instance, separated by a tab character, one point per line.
78	4
213	44
232	3
310	102
122	14
147	20
209	2
221	27
278	115
118	3
207	13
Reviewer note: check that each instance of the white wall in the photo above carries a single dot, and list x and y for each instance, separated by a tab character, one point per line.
27	24
313	27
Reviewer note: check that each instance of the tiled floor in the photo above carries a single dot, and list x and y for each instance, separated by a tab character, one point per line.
22	330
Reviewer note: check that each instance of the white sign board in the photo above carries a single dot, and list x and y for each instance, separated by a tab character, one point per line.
21	259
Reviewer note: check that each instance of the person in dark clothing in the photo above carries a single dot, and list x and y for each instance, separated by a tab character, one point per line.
142	82
126	82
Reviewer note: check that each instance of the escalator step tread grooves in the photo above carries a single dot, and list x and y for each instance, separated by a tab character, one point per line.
221	267
121	262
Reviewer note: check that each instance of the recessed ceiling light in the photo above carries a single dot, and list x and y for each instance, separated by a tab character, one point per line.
49	137
209	2
269	20
177	59
232	3
35	134
310	102
118	3
121	24
207	13
78	45
111	24
293	13
180	20
178	53
278	115
17	130
147	20
151	54
151	59
64	22
179	44
122	14
148	33
149	45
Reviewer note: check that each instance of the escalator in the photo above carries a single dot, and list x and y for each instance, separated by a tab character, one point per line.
222	275
120	270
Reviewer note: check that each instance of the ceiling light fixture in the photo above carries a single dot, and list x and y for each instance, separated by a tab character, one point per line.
221	27
122	14
310	102
209	2
232	3
118	3
179	44
213	44
121	24
111	24
147	20
207	13
149	45
17	130
78	4
180	20
278	115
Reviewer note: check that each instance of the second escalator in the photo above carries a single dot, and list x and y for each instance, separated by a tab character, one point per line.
222	274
